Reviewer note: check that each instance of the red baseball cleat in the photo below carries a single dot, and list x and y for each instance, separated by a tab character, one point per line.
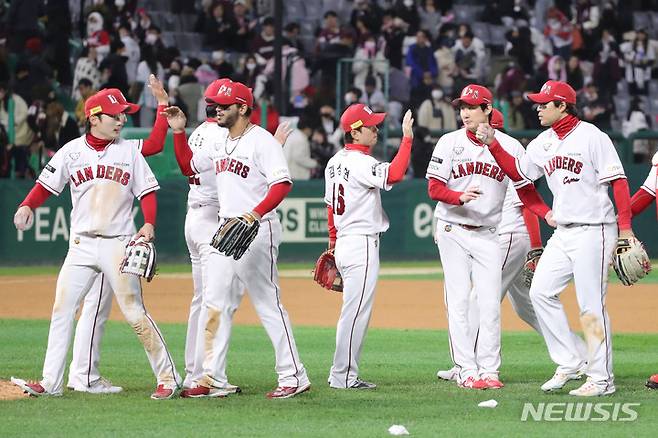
491	382
163	392
288	391
652	383
202	391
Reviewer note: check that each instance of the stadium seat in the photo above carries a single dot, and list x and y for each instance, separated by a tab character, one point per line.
497	35
641	20
481	30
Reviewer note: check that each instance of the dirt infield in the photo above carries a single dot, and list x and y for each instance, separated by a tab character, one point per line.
413	304
9	391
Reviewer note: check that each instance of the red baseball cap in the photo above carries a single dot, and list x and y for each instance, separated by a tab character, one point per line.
554	90
358	115
474	94
109	101
497	121
231	92
213	88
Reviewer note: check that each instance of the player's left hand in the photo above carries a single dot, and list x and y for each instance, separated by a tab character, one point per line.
282	132
23	218
158	91
147	231
175	117
407	125
549	219
485	133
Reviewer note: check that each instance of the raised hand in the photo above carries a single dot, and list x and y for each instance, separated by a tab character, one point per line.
485	133
282	132
407	125
175	117
158	91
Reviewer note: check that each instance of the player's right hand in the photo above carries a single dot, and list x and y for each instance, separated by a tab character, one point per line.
549	219
282	132
158	91
23	218
407	125
471	194
175	117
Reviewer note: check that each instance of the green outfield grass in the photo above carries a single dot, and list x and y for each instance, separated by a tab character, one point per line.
179	268
402	362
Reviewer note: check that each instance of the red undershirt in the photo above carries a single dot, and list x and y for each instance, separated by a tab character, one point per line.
640	201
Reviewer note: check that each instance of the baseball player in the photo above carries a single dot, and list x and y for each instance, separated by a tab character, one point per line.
471	188
201	222
518	234
580	163
105	174
252	178
644	196
353	180
84	374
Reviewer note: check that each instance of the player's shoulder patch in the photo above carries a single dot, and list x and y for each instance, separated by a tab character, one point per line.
436	160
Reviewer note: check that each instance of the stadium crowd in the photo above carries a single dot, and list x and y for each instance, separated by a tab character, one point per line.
404	53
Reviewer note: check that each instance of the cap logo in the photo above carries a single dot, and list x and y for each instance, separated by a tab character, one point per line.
112	99
357	124
468	91
227	91
368	110
96	110
546	89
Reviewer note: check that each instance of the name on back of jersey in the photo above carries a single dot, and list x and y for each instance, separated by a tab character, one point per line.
339	170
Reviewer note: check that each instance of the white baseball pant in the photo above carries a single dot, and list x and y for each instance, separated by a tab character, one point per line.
357	259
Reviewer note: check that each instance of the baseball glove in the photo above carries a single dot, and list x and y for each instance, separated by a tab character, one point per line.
326	273
530	265
140	259
630	261
236	234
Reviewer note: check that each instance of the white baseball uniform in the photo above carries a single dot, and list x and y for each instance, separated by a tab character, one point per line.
201	223
353	181
650	183
246	167
578	169
467	237
103	186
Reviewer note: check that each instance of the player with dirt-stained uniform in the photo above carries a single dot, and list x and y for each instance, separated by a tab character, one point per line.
105	173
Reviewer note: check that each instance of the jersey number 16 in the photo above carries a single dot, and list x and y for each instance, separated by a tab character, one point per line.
338	200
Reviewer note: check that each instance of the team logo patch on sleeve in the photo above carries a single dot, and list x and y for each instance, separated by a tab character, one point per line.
50	168
378	170
437	160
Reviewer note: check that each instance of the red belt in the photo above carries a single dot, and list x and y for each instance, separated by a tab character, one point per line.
470	227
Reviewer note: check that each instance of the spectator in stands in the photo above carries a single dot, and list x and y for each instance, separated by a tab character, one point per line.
639	58
22	133
23	22
607	72
373	96
420	59
249	71
468	61
329	33
85	90
113	69
143	24
291	34
436	113
369	12
445	59
219	62
219	29
87	68
575	76
512	78
321	151
353	95
514	13
407	10
327	61
60	128
140	93
97	36
636	121
430	17
153	39
24	82
263	44
394	30
245	27
594	109
190	92
58	32
554	70
133	52
476	43
328	121
519	45
362	31
559	31
294	76
399	95
272	120
521	114
369	60
297	151
588	15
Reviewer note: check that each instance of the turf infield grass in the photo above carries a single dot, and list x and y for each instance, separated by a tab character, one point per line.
402	362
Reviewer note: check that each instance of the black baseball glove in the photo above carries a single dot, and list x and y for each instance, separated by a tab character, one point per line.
236	234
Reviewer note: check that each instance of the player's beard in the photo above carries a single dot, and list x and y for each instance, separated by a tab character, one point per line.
228	120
